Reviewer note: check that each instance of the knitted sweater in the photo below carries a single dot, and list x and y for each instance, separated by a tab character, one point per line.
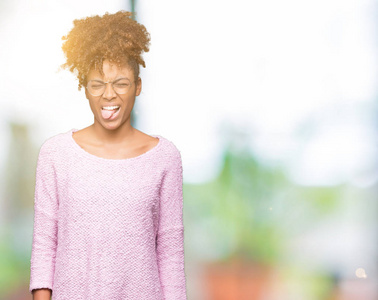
108	229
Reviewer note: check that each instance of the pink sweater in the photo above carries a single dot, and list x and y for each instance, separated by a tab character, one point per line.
108	229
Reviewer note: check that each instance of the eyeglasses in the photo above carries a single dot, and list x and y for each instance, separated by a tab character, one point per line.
97	87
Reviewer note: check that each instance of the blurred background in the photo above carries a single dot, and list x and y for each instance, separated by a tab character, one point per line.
273	105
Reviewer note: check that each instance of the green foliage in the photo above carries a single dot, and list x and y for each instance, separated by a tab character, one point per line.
12	269
246	210
240	202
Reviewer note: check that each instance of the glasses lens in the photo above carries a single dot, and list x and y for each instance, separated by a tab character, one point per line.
96	88
122	86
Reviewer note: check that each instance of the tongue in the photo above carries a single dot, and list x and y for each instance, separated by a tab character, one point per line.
107	114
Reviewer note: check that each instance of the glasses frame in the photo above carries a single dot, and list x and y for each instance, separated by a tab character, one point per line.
105	83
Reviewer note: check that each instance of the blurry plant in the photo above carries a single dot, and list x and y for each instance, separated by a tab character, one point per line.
239	209
17	195
246	211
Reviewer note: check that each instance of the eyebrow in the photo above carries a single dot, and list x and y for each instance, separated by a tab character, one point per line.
99	80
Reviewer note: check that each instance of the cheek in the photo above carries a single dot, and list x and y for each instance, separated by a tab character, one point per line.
128	99
93	105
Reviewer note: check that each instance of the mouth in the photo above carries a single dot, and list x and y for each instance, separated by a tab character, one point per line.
111	107
110	112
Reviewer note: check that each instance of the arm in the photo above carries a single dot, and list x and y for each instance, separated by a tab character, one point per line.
170	235
42	263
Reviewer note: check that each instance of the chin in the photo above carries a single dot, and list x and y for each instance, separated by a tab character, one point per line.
111	126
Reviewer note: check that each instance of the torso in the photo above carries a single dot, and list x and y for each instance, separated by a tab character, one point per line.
140	144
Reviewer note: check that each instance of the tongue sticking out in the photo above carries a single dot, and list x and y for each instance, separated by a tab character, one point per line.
107	114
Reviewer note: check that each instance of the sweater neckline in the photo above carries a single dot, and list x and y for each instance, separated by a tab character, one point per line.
84	153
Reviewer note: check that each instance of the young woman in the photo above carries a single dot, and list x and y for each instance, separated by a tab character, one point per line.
108	222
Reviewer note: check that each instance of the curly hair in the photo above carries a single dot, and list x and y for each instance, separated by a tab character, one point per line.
116	37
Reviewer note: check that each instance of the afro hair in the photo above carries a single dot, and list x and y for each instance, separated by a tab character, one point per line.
116	37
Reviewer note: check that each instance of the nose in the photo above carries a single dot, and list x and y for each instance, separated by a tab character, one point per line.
109	92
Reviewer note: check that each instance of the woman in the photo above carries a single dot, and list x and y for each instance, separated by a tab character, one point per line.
108	203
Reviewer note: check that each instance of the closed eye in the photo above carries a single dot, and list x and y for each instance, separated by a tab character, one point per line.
97	86
122	84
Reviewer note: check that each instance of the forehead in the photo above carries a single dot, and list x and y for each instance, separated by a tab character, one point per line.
111	71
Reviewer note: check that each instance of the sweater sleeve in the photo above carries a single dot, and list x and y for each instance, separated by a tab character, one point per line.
170	235
42	263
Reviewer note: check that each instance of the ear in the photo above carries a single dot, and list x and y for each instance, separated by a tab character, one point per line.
138	86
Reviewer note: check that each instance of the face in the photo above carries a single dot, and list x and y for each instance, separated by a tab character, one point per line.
113	119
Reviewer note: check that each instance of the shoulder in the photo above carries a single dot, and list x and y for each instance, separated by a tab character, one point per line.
165	146
170	153
53	144
169	149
